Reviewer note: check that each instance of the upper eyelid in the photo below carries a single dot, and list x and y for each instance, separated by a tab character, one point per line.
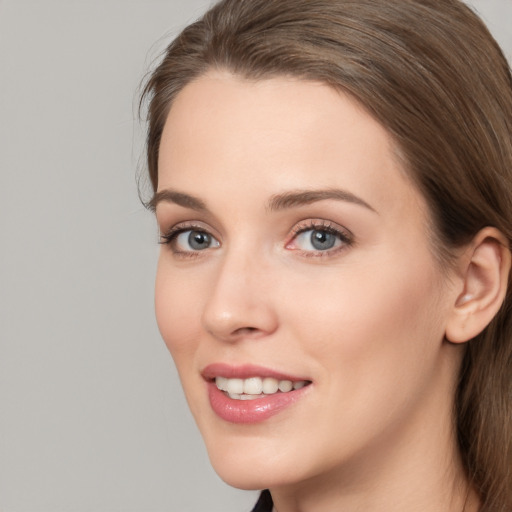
171	214
186	226
345	236
319	224
298	227
170	237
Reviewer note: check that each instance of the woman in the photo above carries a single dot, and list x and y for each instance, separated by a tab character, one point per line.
332	182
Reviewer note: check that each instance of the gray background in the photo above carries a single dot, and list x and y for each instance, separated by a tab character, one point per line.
91	412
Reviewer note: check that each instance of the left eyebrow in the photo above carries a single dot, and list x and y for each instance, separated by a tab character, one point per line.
179	198
303	197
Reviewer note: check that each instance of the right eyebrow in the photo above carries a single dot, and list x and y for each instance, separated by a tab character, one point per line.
296	198
179	198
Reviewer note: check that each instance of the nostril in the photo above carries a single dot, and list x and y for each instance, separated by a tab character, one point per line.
230	315
245	331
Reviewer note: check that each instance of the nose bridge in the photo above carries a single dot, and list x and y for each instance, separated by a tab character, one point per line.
239	304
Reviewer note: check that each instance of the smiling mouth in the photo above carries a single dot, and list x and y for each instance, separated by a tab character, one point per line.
253	388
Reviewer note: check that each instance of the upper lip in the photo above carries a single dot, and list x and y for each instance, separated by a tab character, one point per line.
245	371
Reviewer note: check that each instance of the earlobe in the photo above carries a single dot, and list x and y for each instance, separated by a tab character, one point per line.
486	268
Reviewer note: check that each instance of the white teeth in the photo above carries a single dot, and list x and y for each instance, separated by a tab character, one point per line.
270	385
253	387
222	383
235	386
249	397
285	385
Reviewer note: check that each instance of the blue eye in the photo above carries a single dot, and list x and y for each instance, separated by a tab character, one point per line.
190	240
317	240
194	240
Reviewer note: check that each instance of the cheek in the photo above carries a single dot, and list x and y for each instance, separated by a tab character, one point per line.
178	313
375	340
380	324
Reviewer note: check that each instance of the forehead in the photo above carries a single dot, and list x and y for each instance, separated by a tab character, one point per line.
275	134
268	112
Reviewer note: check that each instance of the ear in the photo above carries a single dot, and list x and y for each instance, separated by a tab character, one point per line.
485	273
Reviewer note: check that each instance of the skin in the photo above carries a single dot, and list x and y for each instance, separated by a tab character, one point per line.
365	321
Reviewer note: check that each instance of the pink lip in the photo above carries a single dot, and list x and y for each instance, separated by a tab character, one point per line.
244	372
248	411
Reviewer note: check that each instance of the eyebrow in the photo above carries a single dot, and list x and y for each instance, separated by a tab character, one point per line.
179	198
303	197
277	202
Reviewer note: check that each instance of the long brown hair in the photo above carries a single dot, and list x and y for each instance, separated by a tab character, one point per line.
430	72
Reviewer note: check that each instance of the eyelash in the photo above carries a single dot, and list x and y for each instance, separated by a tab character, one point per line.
169	238
343	235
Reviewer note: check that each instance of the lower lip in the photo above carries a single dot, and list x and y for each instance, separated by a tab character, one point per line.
251	411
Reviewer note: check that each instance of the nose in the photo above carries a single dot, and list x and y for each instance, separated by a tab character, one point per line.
240	304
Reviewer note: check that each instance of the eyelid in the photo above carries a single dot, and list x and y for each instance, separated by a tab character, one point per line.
345	236
169	236
183	226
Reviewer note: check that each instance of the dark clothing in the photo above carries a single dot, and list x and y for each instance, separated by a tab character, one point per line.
264	503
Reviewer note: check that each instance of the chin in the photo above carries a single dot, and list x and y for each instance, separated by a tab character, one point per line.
249	477
246	480
252	465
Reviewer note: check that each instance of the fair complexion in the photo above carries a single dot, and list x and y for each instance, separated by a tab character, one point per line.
294	241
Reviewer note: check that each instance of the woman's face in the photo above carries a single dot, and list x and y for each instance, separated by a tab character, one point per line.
297	256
